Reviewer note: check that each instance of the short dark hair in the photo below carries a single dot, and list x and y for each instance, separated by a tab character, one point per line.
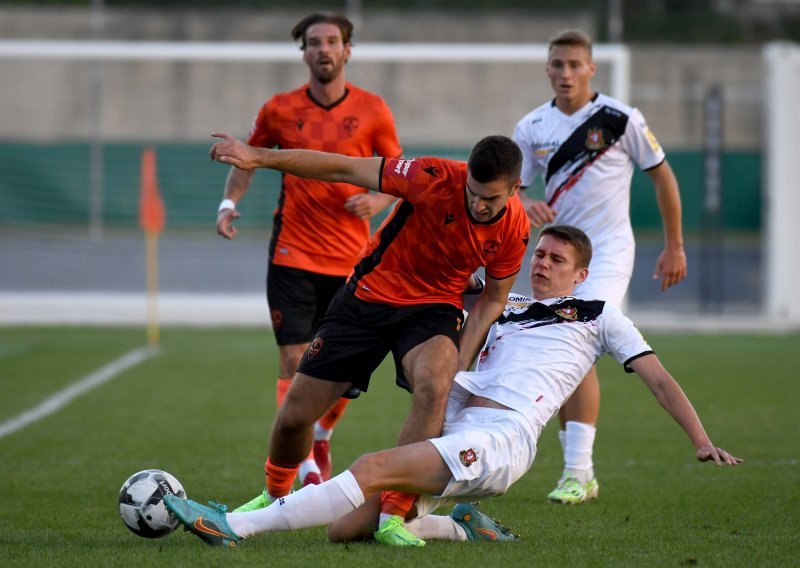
345	26
573	236
571	38
495	157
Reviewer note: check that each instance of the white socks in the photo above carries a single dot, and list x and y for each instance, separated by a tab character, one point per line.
307	466
577	442
437	527
321	433
313	505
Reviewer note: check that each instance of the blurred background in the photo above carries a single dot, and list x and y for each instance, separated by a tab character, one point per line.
81	99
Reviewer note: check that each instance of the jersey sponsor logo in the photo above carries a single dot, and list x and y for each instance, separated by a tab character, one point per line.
568	313
449	218
300	123
402	167
594	139
468	457
277	319
314	348
490	248
350	124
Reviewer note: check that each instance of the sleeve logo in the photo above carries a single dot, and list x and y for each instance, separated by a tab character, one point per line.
651	138
402	167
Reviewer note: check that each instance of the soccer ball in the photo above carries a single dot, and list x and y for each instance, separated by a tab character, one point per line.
141	503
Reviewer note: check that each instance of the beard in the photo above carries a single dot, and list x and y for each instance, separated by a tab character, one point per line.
328	74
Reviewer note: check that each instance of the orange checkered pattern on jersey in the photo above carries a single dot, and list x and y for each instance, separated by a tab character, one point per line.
426	251
312	230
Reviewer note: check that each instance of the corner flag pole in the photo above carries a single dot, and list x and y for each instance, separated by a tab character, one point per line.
151	220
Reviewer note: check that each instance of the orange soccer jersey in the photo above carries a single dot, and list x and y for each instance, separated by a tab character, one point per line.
427	249
312	230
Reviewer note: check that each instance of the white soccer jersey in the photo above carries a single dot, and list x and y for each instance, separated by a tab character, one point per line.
587	160
538	352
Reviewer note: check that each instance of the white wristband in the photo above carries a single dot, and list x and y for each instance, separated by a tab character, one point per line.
226	204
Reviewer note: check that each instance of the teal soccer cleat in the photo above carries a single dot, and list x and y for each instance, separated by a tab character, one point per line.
207	523
478	526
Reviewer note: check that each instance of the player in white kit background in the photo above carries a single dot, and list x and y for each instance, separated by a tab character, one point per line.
585	145
534	357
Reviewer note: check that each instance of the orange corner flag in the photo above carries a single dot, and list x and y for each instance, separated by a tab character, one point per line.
151	206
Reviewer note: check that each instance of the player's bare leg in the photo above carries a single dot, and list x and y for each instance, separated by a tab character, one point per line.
429	368
578	418
289	357
292	434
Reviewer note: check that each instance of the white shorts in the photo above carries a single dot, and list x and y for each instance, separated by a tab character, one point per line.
608	280
487	450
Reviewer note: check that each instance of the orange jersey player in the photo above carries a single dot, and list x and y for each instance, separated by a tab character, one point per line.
312	230
319	228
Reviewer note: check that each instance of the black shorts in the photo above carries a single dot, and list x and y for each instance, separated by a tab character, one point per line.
298	300
355	336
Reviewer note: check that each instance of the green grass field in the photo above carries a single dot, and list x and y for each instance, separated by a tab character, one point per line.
201	409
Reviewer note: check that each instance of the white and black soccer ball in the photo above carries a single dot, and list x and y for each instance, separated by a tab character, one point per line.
141	503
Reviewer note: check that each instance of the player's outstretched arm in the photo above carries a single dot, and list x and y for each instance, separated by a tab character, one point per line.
364	172
670	395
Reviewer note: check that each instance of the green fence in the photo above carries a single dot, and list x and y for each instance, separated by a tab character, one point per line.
49	184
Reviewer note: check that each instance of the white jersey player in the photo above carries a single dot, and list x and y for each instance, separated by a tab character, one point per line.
585	146
535	356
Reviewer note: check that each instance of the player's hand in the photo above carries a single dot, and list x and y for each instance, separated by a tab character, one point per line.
364	205
225	220
234	152
670	266
539	213
718	455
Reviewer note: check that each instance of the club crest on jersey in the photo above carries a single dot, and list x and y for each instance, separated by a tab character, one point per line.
568	313
300	123
490	248
350	124
277	318
468	457
314	348
594	139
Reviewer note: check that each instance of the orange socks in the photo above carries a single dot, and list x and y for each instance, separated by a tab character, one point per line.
335	412
280	478
397	503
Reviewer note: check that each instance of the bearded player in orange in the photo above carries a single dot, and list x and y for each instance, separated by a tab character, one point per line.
319	227
404	294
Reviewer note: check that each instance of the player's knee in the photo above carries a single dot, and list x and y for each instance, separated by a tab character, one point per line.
293	417
432	393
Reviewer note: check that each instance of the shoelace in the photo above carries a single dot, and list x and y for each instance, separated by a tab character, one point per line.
219	507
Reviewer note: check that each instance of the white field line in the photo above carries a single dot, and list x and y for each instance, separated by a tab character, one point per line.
63	397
